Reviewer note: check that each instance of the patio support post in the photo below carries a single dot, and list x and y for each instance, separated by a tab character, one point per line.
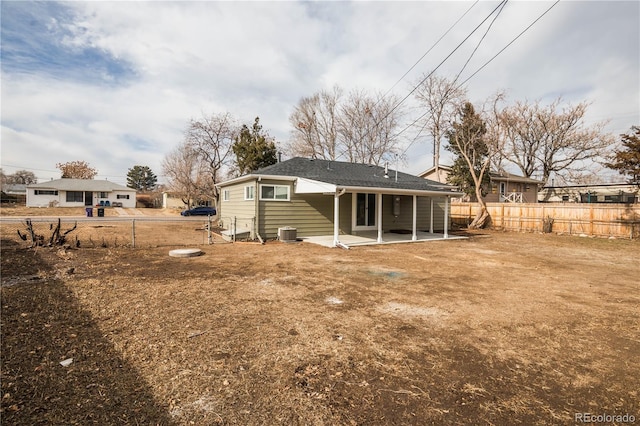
446	217
379	213
336	218
414	236
431	217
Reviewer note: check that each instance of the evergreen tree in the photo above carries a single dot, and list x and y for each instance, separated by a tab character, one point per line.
253	149
141	178
627	160
466	141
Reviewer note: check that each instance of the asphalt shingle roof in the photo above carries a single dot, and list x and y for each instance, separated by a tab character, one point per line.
350	174
80	185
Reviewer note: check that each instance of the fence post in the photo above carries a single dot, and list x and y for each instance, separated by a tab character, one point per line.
209	240
133	233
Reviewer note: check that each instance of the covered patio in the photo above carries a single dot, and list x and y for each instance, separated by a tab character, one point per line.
368	238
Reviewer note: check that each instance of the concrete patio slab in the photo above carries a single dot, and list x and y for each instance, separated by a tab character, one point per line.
371	238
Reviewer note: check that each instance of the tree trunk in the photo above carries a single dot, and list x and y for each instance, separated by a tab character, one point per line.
482	218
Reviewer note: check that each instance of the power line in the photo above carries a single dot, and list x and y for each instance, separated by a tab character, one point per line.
430	49
432	72
32	169
483	66
511	42
480	42
444	60
464	66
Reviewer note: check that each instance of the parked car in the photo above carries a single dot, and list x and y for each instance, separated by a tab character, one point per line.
200	211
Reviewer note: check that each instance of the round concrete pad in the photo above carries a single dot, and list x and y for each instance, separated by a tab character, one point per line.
185	252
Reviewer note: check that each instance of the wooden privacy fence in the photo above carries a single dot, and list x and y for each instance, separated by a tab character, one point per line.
602	220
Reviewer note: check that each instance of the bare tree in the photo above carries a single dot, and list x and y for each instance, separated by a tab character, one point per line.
442	99
367	127
211	139
187	174
359	127
24	177
545	140
314	122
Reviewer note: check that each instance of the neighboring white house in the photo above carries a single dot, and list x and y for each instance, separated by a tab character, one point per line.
595	193
79	193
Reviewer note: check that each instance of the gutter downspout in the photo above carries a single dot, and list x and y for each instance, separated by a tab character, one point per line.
256	212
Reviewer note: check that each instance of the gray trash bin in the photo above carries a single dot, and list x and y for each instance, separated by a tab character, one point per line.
89	211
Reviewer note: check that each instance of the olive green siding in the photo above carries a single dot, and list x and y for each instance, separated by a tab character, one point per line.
310	214
404	220
237	209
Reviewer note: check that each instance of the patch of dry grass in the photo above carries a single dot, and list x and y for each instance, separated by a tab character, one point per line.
510	328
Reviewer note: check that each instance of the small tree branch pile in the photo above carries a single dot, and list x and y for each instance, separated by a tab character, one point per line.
57	237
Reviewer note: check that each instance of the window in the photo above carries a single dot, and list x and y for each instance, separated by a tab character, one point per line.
122	196
249	192
565	198
103	195
274	192
225	195
46	192
365	210
75	196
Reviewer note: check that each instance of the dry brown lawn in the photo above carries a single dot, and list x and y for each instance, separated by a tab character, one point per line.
502	328
21	210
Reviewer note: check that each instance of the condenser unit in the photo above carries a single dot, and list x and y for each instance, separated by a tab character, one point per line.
287	234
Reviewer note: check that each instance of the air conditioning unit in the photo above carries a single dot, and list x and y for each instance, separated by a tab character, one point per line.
287	234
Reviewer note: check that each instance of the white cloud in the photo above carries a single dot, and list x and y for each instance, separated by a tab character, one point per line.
162	63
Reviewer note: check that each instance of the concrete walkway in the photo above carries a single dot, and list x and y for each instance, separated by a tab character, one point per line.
123	212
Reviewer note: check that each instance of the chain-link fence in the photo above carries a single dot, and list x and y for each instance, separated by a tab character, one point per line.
110	232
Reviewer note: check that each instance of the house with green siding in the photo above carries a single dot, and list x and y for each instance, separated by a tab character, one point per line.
336	200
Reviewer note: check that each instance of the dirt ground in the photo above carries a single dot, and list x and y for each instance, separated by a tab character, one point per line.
502	328
21	210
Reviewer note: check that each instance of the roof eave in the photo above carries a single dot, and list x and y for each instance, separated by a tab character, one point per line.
400	191
252	176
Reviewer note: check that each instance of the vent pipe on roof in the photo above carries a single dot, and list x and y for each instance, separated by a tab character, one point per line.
397	164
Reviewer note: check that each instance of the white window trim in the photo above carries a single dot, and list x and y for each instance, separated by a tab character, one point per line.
274	191
225	195
253	195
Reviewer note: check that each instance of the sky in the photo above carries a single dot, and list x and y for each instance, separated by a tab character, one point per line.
115	83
